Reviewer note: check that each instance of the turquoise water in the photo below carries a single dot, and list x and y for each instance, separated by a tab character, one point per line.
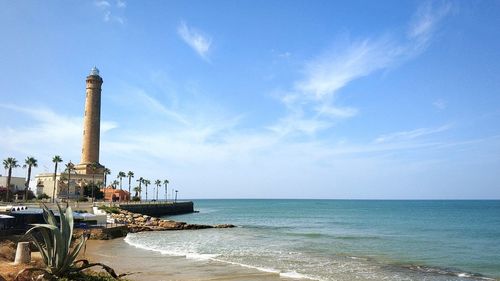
344	239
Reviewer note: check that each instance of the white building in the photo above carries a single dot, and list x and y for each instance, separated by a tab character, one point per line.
16	183
45	184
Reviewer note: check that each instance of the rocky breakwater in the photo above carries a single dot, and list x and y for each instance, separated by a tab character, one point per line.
138	223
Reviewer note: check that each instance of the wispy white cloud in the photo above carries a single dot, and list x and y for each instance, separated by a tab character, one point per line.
285	55
315	94
440	104
425	21
113	11
332	71
196	39
102	4
143	98
121	4
47	132
410	135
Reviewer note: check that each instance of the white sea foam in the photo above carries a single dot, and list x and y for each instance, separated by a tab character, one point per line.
187	255
296	275
197	256
263	269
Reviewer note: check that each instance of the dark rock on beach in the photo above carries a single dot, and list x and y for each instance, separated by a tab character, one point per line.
139	223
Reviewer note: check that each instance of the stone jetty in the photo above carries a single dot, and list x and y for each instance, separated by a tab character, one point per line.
139	222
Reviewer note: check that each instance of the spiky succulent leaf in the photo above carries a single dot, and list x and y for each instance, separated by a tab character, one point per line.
54	240
70	259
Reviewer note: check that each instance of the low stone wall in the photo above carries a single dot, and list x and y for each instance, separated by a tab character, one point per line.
159	209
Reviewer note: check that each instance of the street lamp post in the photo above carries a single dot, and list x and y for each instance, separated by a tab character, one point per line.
176	196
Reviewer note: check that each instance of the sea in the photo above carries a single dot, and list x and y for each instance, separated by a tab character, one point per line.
343	239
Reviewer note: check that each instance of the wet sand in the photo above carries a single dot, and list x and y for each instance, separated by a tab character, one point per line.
149	265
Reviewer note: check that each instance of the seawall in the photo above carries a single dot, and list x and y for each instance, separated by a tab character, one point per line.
159	209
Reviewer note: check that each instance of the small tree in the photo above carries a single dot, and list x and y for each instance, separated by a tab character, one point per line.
93	190
137	191
42	196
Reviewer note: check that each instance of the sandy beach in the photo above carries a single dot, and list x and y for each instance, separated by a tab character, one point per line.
149	265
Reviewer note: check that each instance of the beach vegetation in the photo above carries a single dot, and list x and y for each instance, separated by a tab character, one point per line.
90	276
93	191
42	196
54	241
110	209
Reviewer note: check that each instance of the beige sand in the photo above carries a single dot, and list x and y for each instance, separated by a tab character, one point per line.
150	265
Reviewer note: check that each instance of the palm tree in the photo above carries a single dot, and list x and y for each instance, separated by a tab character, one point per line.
69	167
56	160
9	163
106	173
158	184
166	182
114	184
146	183
138	190
120	176
140	180
130	175
29	162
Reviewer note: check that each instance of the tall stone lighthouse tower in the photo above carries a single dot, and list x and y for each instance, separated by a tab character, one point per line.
91	126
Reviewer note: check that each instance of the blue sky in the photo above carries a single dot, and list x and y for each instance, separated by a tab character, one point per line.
263	99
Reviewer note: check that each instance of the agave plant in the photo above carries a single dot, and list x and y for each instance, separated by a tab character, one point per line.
53	240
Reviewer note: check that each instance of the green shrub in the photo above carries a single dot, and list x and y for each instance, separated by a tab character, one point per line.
108	209
42	196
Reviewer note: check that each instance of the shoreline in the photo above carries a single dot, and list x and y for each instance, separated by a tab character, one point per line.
146	265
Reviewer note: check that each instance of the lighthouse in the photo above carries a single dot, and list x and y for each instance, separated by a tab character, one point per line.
89	163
